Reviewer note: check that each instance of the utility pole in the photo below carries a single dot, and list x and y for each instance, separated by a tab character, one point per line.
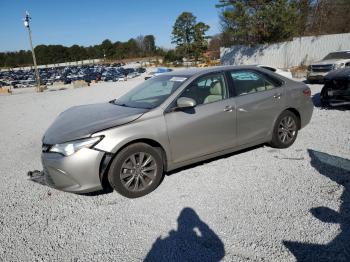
26	21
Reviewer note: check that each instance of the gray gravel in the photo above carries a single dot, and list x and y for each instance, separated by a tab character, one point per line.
241	207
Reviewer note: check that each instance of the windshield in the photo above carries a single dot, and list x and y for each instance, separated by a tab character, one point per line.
151	93
338	55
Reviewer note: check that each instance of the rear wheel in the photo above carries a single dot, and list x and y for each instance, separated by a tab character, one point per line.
136	171
286	130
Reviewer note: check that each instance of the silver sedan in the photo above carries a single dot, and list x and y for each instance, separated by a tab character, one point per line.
170	121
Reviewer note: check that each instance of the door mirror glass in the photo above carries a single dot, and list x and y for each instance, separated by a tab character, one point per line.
185	102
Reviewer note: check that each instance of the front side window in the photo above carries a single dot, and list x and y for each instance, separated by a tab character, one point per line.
207	89
248	82
152	92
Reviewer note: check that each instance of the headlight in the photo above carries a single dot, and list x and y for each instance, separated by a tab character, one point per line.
337	66
309	68
70	148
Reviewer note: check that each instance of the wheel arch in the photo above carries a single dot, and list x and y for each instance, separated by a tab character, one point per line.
296	113
110	157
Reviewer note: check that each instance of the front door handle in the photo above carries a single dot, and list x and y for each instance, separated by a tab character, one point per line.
228	108
277	96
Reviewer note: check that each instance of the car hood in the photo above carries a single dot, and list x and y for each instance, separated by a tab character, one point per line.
341	73
330	61
82	121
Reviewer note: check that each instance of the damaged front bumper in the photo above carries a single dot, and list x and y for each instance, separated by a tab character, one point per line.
77	173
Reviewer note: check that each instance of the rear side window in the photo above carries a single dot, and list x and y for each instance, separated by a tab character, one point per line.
249	82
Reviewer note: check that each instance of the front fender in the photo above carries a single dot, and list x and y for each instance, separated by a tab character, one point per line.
149	126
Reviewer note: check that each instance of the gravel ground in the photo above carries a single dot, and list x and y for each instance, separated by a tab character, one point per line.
253	205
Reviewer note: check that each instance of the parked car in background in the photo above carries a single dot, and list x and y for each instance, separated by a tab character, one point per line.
172	120
336	90
333	61
160	70
141	70
132	75
282	72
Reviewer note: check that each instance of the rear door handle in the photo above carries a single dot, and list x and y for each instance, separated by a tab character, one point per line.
277	96
228	108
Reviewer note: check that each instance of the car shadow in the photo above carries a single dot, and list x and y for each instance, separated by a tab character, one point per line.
40	178
193	240
169	173
316	100
338	170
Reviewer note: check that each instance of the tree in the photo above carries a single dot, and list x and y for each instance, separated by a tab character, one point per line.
200	43
149	43
172	56
131	48
215	43
52	54
107	48
189	36
304	11
329	17
258	21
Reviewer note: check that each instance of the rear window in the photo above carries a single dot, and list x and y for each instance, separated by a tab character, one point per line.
248	82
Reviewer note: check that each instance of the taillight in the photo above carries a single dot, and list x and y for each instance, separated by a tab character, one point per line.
307	91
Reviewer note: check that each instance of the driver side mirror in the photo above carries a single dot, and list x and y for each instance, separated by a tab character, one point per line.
186	102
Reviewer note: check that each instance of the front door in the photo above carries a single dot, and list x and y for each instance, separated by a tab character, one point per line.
209	126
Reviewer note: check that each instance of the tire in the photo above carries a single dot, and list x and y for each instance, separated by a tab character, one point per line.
324	97
136	171
286	127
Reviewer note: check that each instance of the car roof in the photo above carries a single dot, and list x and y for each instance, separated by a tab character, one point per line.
342	51
193	71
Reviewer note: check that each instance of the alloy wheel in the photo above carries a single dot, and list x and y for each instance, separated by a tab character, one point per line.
138	171
287	129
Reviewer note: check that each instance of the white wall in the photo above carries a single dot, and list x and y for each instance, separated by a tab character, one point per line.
83	62
303	50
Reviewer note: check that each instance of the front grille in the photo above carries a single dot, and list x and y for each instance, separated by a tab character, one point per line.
322	68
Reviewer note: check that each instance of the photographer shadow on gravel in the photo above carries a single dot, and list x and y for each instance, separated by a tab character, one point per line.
193	241
338	170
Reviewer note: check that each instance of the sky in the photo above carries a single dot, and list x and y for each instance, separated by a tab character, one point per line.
69	22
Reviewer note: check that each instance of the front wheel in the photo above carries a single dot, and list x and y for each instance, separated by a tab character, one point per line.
136	171
285	131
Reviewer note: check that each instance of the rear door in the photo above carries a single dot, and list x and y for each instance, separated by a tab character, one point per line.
259	99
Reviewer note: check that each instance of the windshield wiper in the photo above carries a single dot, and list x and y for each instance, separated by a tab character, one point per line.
115	102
